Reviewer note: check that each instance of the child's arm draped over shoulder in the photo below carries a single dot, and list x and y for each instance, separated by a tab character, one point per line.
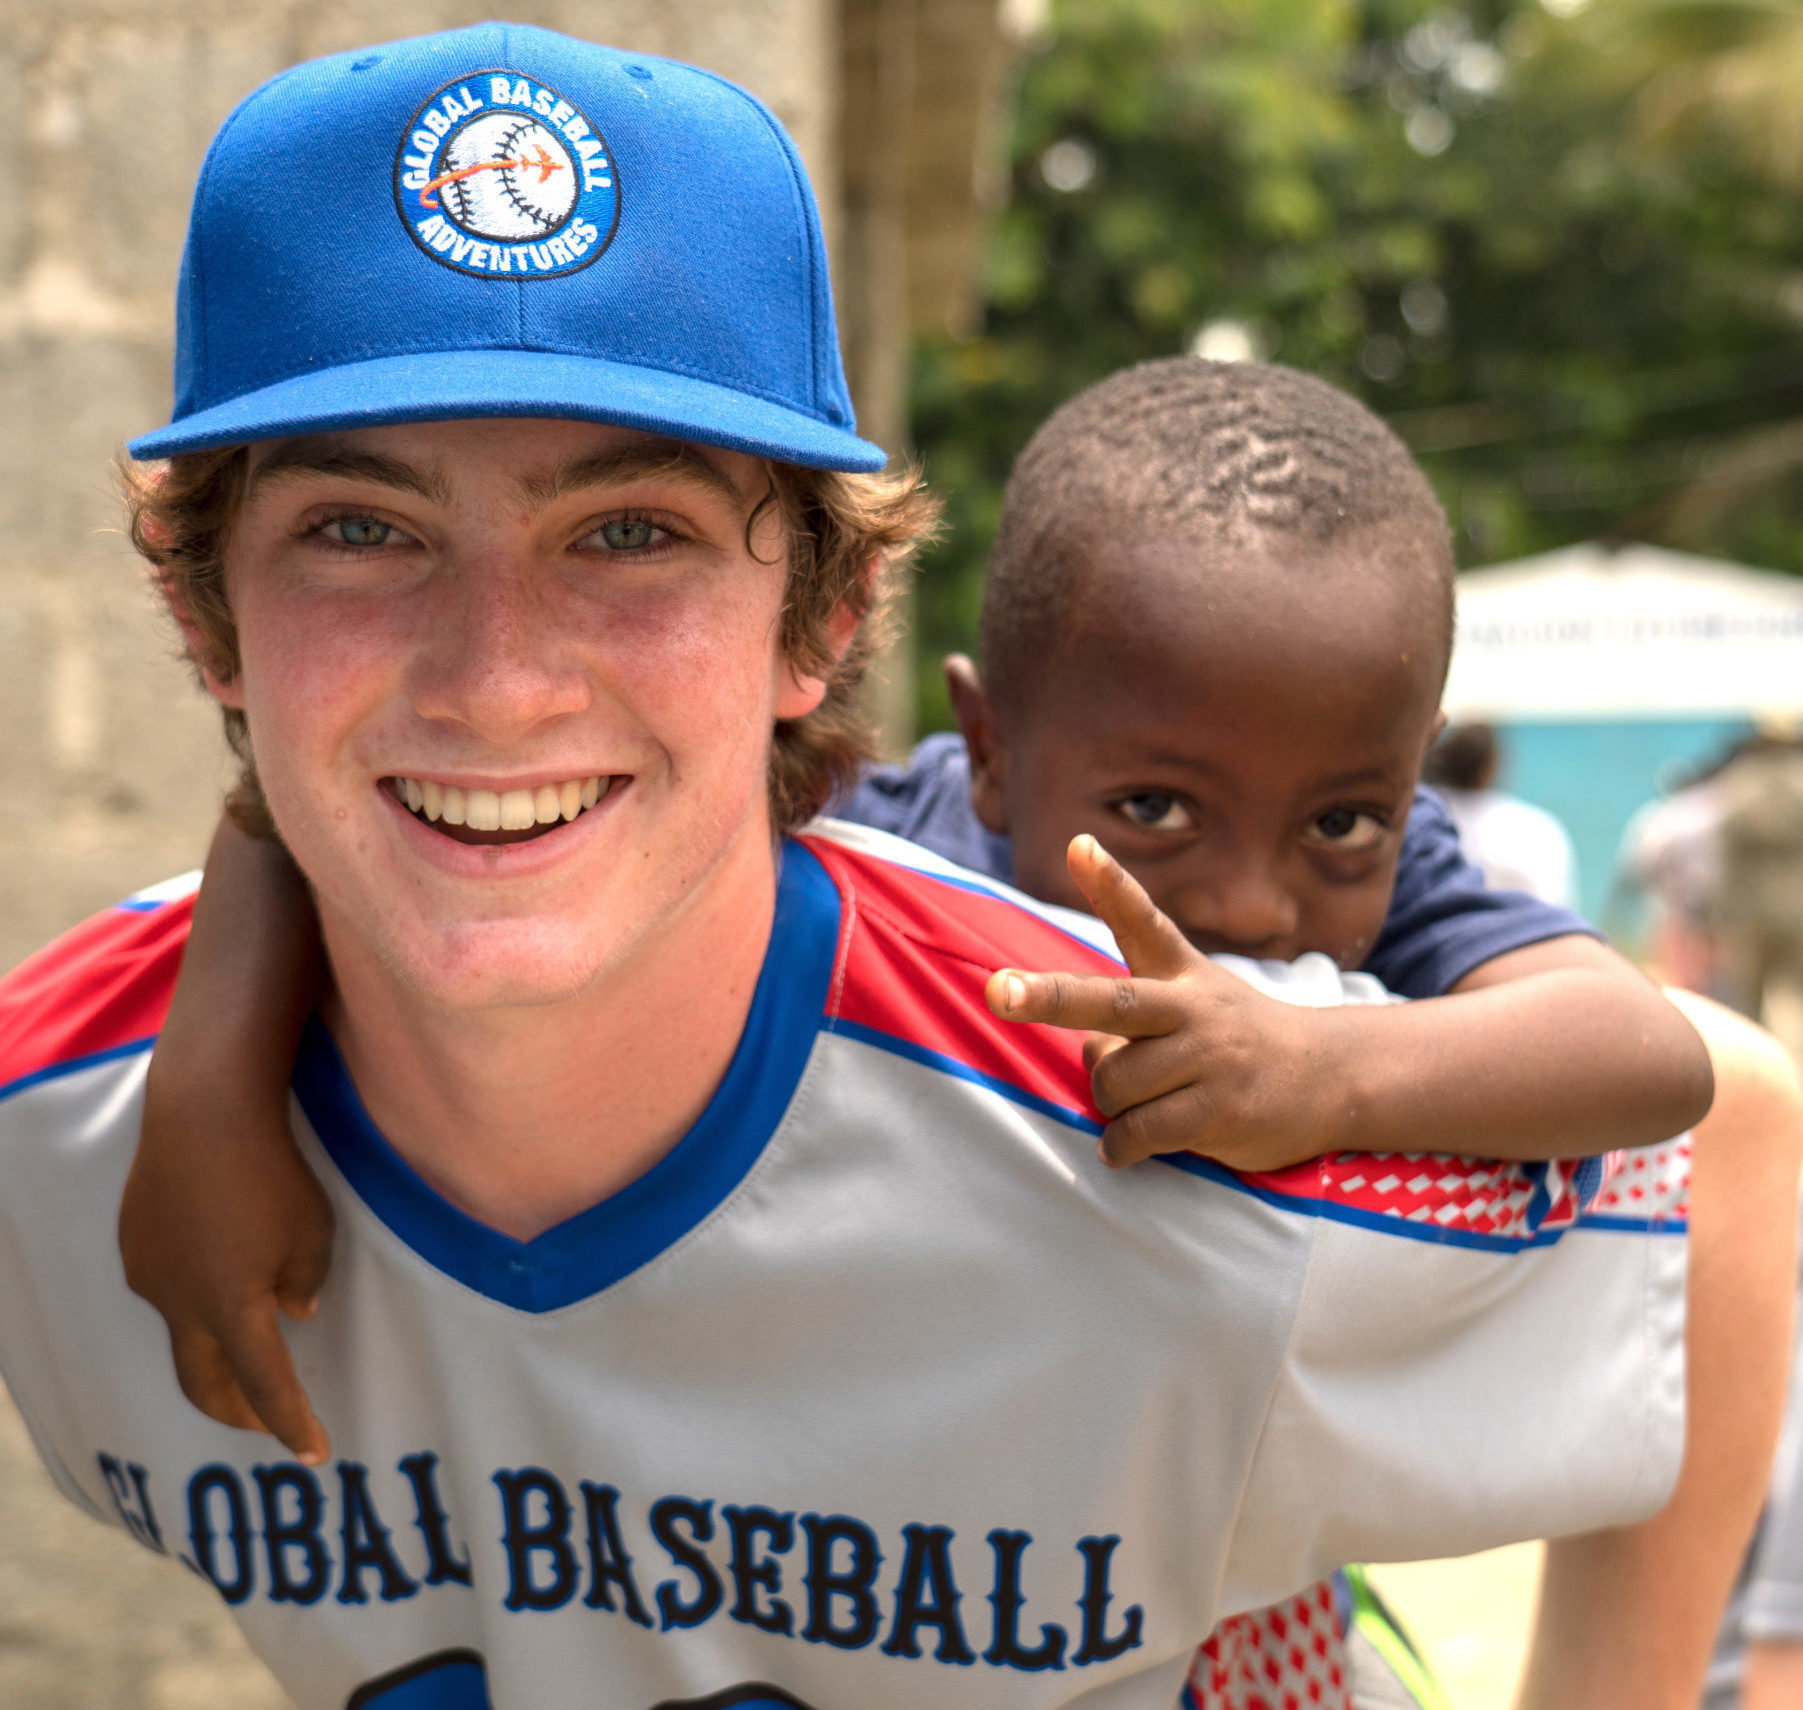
1553	1050
222	1222
1556	1050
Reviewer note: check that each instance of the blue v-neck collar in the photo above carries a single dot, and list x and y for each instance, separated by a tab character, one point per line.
597	1247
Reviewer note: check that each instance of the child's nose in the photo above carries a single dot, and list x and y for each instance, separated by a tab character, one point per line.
1244	911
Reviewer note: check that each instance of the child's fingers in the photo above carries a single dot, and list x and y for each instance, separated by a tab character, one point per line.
1094	1002
1187	1121
1177	1122
205	1375
303	1272
209	1373
263	1370
1149	943
1099	1046
1141	1070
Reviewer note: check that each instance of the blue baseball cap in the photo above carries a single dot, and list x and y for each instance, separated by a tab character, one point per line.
504	221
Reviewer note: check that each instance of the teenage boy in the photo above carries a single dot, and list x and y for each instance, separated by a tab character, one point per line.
811	1357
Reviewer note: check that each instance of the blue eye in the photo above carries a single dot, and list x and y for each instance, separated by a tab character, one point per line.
627	534
361	531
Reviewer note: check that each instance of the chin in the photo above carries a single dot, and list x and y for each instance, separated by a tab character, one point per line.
502	964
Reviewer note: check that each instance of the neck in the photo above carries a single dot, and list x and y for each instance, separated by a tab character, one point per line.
523	1116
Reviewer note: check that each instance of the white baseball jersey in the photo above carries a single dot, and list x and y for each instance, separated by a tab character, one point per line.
878	1391
1293	1655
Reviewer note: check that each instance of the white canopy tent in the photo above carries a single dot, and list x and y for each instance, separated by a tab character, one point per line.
1587	634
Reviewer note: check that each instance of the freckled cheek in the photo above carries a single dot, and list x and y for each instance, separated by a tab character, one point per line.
317	671
703	663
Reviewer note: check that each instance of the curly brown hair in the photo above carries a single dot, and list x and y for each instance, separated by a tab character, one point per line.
848	538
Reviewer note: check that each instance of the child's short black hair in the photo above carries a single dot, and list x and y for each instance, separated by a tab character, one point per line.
1210	451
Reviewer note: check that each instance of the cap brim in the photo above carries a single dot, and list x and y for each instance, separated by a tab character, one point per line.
460	384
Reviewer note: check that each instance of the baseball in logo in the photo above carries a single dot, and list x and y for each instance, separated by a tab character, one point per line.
499	175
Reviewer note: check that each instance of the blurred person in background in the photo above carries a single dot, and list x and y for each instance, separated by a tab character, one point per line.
1721	861
1671	853
1760	909
1748	825
1519	846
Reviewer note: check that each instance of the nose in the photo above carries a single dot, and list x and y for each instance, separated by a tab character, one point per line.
1242	908
499	662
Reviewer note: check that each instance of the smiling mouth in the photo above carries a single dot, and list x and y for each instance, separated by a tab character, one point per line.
500	816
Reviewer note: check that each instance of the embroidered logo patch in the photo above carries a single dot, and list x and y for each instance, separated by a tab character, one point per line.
499	175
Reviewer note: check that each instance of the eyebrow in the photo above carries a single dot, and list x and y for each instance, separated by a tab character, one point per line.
1168	760
303	457
660	460
1363	775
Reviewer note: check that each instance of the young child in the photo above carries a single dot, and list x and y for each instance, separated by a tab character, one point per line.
1217	623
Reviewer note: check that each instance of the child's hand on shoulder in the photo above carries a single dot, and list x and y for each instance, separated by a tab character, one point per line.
1183	1056
222	1238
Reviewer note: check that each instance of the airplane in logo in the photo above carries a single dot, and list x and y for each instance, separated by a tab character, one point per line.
539	161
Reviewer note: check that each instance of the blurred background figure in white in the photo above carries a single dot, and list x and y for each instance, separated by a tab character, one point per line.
1720	860
1671	854
1760	793
1521	847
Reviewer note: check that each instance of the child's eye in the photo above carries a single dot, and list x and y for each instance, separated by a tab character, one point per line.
629	534
359	531
1348	828
1156	812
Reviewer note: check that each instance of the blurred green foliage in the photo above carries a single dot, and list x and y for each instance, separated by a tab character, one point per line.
1525	239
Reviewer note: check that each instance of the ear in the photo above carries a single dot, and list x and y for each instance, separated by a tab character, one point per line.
1433	733
799	693
227	691
982	741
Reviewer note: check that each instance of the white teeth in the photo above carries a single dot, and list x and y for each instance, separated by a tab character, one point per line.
483	810
502	810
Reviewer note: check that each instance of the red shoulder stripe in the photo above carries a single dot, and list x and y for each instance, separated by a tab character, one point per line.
915	954
103	986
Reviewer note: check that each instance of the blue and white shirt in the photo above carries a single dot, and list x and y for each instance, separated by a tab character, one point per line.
877	1391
